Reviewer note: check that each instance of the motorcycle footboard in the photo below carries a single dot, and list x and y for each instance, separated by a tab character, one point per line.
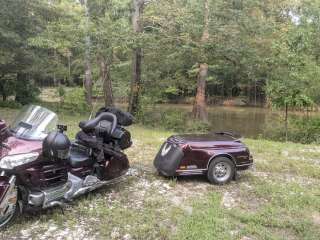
168	159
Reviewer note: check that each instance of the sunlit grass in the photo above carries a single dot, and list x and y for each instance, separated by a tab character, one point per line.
279	199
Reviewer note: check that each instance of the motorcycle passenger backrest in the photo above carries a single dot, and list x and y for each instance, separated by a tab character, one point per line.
123	118
90	125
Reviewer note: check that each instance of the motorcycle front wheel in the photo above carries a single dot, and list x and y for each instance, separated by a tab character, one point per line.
10	213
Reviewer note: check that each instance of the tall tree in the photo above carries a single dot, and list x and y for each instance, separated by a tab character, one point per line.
135	87
63	40
105	76
109	38
200	108
88	68
21	20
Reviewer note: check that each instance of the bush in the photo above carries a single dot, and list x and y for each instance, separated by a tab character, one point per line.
61	92
306	130
301	130
26	91
10	104
74	101
170	119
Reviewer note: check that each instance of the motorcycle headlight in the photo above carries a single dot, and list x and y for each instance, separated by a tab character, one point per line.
12	161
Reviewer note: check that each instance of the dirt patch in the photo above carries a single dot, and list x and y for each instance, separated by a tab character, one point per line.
316	218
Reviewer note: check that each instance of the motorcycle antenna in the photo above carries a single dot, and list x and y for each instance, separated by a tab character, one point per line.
93	107
94	101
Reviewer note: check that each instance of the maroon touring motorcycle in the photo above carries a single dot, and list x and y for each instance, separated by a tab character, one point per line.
217	155
41	168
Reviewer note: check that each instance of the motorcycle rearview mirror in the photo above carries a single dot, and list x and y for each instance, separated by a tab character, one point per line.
62	128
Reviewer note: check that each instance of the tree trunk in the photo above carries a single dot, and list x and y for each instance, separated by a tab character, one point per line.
135	90
107	83
255	93
200	107
2	90
55	83
88	83
88	69
22	88
55	66
286	121
135	82
70	81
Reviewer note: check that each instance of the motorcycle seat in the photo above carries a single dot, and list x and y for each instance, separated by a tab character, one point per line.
79	157
90	125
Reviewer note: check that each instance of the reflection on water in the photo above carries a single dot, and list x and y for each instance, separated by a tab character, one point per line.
247	121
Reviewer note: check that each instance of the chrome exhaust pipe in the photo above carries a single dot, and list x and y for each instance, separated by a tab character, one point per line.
55	204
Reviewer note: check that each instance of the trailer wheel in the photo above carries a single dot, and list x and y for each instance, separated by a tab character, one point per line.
221	170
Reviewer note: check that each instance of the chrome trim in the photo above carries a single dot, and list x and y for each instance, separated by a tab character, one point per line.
54	194
189	173
244	165
12	180
36	199
90	183
221	155
55	203
191	170
76	184
75	187
213	148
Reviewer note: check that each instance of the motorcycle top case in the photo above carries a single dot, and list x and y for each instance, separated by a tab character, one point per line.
168	158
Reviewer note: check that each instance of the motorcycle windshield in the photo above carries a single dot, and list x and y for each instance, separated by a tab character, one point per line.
34	123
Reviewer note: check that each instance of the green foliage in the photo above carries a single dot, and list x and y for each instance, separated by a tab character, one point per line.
61	91
75	102
300	129
197	127
26	91
170	119
306	130
7	86
10	104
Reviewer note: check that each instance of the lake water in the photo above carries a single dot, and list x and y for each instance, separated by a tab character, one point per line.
247	121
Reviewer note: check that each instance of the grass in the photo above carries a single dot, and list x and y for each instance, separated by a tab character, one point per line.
278	199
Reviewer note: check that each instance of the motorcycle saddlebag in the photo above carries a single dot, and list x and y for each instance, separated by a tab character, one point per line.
168	159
